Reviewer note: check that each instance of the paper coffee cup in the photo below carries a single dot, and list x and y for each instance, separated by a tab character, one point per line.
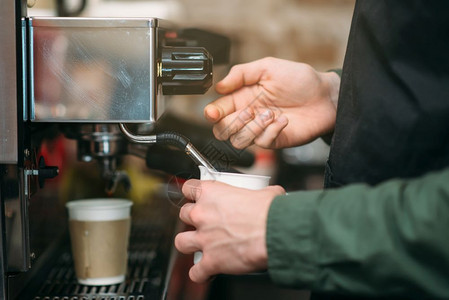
99	234
247	181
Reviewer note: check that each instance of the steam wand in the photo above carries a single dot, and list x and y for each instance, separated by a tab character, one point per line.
171	138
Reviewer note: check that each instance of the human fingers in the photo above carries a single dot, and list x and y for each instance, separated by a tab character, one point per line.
192	189
186	242
246	135
241	75
232	124
229	104
200	272
218	109
185	212
267	138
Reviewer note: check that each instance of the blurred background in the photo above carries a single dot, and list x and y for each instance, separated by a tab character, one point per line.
310	31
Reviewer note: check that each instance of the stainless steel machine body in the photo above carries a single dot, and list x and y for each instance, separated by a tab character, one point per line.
100	70
8	83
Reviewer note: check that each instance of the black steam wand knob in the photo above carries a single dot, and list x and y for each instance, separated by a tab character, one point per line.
185	70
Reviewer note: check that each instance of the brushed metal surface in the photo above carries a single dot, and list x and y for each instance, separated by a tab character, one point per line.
95	22
93	70
8	83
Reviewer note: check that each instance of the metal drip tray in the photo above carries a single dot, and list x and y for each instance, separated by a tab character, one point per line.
61	282
147	263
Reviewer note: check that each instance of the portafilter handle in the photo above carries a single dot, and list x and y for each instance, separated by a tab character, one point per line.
170	138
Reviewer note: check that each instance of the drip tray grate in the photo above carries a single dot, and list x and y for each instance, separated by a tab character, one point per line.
148	257
61	282
92	297
143	278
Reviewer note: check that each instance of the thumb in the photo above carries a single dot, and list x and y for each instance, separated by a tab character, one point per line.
198	274
241	75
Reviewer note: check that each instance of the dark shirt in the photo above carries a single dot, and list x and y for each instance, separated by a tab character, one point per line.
393	109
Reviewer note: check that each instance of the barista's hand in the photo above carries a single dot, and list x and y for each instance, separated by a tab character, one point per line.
230	227
274	103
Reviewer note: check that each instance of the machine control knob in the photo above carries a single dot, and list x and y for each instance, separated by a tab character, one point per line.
185	70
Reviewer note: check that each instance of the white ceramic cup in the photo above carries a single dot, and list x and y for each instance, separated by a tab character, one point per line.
247	181
99	234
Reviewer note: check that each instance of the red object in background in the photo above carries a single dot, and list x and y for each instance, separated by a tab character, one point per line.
171	35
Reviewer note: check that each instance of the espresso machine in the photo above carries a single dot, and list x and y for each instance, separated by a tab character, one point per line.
101	84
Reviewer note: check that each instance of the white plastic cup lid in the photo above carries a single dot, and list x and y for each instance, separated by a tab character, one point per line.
247	181
99	209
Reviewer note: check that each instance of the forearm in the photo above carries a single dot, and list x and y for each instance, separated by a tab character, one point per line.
386	240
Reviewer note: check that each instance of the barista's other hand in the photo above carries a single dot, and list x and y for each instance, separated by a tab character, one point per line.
230	227
274	103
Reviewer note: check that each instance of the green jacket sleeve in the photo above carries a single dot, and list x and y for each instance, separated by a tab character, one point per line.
391	239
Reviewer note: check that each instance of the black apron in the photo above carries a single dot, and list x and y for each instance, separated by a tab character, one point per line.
393	110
